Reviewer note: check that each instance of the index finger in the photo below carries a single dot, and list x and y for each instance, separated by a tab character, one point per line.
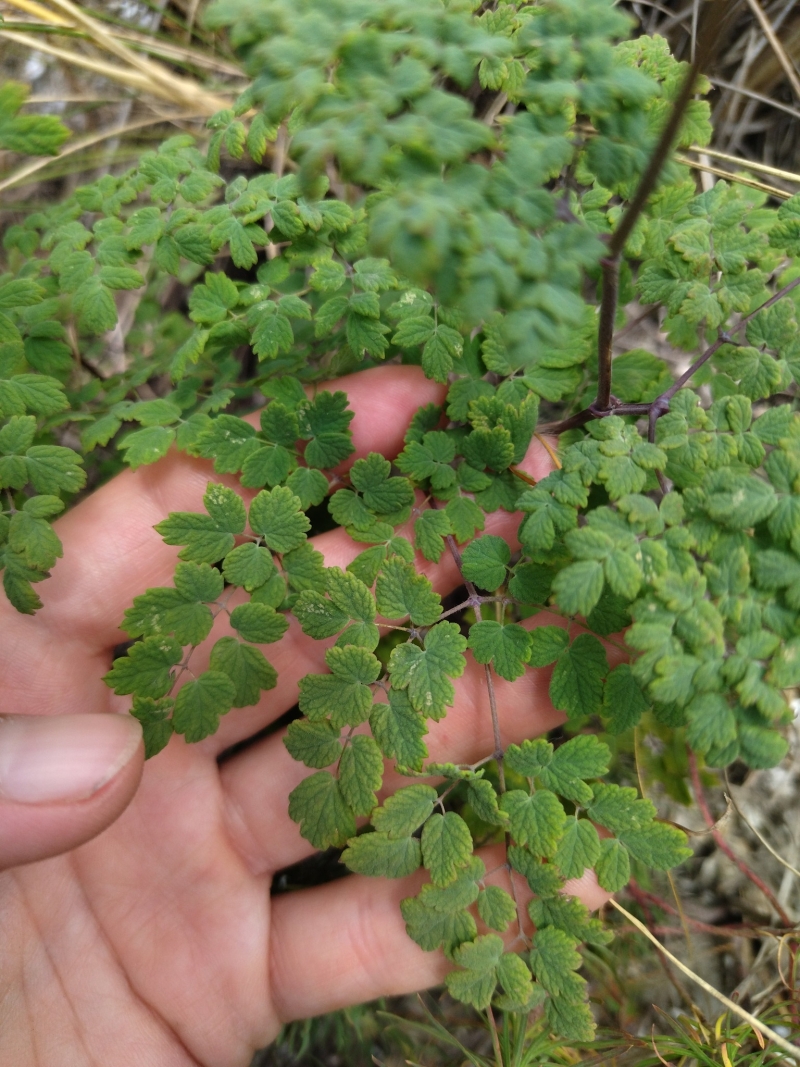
111	551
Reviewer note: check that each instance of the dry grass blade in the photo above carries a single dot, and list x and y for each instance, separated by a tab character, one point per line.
781	194
85	142
777	47
139	72
181	88
131	78
748	164
38	11
769	1033
46	17
177	52
722	84
785	863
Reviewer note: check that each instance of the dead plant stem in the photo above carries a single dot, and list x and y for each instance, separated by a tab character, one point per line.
723	845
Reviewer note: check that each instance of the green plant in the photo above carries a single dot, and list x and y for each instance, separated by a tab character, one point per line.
478	189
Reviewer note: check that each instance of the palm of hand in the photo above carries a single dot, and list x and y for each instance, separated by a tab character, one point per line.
158	935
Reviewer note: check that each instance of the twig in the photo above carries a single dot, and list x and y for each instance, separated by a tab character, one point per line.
475	600
660	406
470	604
761	838
762	1028
642	896
498	741
723	845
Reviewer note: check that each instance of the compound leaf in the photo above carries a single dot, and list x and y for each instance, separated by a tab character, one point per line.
146	669
577	683
400	591
405	811
277	516
399	728
537	820
426	672
200	703
506	647
496	907
579	848
316	744
246	667
318	805
485	560
613	868
382	856
446	846
361	774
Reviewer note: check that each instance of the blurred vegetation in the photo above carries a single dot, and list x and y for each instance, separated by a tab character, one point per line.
125	74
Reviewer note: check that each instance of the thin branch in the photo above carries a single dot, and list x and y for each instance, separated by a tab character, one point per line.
498	741
605	332
470	604
724	339
476	600
660	406
723	845
785	863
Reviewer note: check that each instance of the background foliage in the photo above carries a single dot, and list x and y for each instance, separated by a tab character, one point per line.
434	185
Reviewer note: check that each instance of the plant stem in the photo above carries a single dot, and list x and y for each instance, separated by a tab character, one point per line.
498	741
476	600
723	845
724	339
495	1036
470	603
604	403
660	406
781	1042
610	264
605	333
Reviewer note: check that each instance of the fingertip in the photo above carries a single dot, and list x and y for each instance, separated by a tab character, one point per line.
541	458
385	400
63	780
588	890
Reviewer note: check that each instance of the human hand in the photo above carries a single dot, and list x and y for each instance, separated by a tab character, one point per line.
156	941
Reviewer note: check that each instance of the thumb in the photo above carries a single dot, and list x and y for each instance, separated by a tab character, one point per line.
63	779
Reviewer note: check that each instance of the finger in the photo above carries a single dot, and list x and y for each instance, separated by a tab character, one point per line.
257	781
346	943
297	656
63	779
112	552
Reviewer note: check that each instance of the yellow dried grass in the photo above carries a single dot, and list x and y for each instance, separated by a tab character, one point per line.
138	72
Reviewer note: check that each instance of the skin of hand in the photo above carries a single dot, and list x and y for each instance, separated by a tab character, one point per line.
136	922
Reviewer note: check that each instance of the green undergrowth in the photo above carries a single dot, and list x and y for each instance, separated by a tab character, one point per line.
437	184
